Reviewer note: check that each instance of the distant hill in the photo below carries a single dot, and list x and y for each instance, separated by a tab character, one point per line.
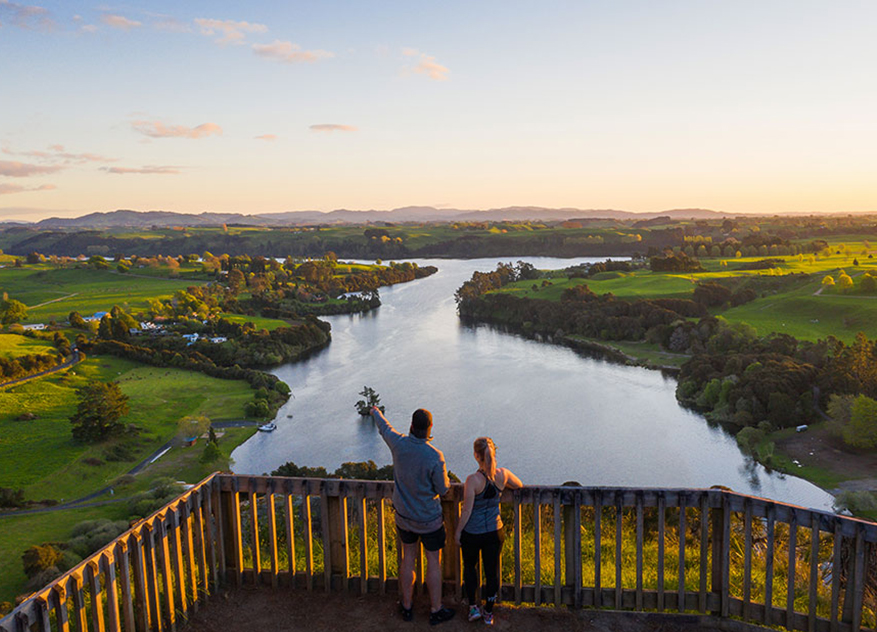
146	219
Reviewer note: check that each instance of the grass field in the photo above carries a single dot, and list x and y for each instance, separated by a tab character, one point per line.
84	290
796	310
261	323
20	532
40	456
13	345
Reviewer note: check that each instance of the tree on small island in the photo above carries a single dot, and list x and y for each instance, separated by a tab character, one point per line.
364	406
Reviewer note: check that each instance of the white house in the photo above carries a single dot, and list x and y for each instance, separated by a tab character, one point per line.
35	327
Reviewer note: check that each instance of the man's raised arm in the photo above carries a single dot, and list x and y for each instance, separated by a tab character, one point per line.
389	434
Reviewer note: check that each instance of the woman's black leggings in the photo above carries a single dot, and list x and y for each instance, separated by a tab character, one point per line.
489	545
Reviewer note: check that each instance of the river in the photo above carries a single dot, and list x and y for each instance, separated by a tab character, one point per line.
555	414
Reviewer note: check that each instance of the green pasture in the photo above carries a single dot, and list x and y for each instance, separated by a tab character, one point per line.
40	456
13	345
20	532
82	289
261	323
636	284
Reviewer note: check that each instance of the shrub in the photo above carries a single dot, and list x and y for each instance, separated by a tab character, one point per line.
856	502
40	557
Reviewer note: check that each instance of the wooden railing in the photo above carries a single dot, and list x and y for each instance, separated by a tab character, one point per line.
711	552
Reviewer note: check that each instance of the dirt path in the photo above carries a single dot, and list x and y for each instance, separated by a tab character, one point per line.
258	609
54	300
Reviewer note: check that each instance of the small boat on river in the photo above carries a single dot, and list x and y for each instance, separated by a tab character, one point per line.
268	427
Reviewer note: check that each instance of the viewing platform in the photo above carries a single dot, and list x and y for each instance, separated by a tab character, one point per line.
246	553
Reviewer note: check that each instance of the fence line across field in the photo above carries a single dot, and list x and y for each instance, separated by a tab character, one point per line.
702	551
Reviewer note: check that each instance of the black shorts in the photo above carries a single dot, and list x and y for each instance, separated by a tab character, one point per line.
434	541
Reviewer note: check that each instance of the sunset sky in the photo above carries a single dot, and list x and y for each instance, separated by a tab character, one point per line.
253	107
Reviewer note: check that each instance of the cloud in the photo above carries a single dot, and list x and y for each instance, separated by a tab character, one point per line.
268	137
15	169
148	169
332	127
427	65
57	153
170	24
157	129
25	16
230	32
289	53
120	22
8	189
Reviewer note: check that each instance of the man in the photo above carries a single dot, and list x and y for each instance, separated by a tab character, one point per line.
421	479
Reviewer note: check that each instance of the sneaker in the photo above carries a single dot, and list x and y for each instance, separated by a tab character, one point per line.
488	618
474	613
441	615
407	613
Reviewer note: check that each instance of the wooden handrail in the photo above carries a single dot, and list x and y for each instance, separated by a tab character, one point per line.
706	551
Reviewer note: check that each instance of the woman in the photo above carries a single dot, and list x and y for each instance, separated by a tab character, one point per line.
480	527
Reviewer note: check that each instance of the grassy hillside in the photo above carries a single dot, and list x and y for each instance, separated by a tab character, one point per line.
51	294
40	456
13	345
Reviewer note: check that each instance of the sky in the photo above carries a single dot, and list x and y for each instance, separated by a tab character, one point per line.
258	107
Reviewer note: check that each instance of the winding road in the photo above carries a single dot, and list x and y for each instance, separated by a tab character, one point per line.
75	359
84	501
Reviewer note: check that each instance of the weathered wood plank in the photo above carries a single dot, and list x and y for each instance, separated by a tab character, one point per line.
558	582
680	600
149	555
325	528
517	548
768	564
537	549
619	499
289	527
92	570
639	552
726	555
163	550
814	572
790	587
747	560
177	558
79	603
122	555
108	568
382	548
308	540
598	549
662	515
62	617
362	507
187	524
858	583
255	545
837	543
272	537
704	550
202	587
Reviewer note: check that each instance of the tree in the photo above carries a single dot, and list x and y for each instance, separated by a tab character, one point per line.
12	311
844	281
861	432
828	280
40	558
869	284
193	426
100	409
363	406
75	319
236	281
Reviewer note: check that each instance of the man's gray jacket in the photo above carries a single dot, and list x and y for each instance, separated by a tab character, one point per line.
421	479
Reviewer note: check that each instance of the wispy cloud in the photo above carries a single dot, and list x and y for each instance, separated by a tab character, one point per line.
14	169
57	153
25	16
7	189
267	137
157	129
426	65
332	127
229	31
120	22
289	53
147	170
170	24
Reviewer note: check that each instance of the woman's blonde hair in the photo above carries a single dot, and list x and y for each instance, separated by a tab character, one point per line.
486	451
